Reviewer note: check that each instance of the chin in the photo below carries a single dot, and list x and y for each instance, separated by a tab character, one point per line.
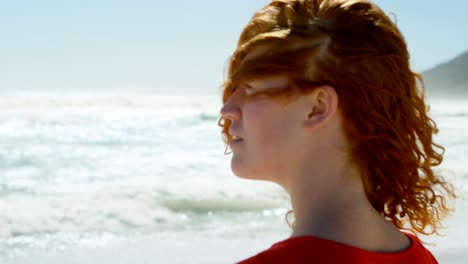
243	172
240	170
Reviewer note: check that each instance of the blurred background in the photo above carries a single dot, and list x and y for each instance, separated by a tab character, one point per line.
109	146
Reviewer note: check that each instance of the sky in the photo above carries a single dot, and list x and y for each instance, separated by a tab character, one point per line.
170	46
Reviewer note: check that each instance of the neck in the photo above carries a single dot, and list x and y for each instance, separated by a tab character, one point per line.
328	201
331	204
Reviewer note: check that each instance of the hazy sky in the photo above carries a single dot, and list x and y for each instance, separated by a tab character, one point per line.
153	45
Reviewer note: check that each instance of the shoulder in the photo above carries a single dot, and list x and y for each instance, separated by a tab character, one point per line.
307	248
417	252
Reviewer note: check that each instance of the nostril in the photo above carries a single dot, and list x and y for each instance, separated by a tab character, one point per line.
230	112
222	111
224	114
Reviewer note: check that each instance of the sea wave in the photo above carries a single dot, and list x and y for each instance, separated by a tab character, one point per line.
218	204
154	101
106	126
119	210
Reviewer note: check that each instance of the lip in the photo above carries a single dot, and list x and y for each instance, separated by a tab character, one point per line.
236	141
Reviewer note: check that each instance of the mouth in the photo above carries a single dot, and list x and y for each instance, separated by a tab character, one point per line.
236	139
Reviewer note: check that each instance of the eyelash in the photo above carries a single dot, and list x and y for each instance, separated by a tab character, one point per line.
249	92
253	94
245	91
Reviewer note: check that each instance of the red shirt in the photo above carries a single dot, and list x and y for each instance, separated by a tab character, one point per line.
309	249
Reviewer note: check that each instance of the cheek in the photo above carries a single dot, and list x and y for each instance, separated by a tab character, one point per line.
259	122
265	124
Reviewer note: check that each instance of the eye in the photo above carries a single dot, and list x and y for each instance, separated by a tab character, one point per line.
249	91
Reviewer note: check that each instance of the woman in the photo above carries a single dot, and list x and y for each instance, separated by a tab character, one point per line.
321	100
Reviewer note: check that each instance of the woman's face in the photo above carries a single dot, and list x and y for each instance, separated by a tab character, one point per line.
270	130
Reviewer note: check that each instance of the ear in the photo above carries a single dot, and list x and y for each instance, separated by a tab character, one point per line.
321	104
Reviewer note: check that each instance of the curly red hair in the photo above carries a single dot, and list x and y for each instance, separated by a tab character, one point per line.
354	47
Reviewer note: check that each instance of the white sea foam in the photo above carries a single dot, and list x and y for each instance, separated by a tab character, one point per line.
129	209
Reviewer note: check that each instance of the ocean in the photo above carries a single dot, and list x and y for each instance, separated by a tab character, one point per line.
142	178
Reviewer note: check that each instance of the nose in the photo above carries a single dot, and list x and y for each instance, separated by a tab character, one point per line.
230	110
